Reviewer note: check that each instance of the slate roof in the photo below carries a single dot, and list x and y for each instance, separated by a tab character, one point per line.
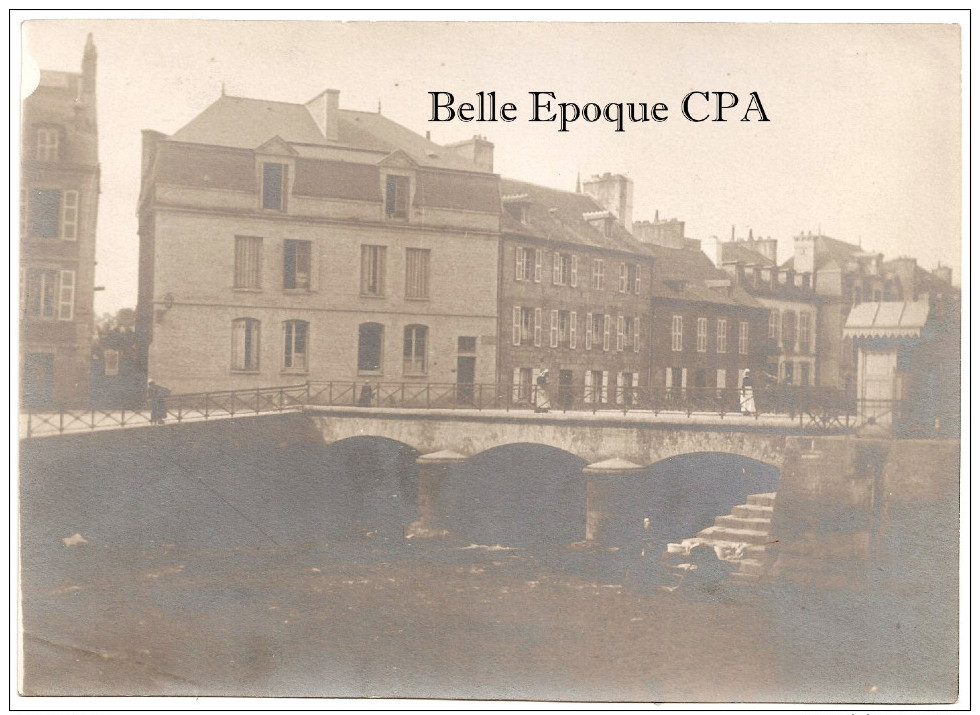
738	252
683	274
557	215
243	123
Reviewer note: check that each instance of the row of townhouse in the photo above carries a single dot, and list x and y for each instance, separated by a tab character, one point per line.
287	242
58	211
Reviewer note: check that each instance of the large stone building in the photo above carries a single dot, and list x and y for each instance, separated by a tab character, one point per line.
792	302
574	298
283	243
58	212
707	331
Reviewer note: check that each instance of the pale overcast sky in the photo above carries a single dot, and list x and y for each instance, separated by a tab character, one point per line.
863	142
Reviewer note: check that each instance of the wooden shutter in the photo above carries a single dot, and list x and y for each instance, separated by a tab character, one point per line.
574	279
517	325
518	263
66	296
604	393
554	329
620	324
572	328
589	389
537	265
636	282
588	331
556	269
636	334
69	215
619	388
606	324
537	327
622	277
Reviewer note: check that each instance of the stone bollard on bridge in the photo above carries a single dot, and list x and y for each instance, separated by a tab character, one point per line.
434	470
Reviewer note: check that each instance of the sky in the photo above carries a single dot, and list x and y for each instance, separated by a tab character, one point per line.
863	142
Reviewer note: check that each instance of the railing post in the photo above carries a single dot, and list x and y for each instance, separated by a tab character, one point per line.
61	421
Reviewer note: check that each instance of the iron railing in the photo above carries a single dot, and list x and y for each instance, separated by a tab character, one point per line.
810	408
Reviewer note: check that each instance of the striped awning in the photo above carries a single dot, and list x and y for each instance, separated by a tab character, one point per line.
902	319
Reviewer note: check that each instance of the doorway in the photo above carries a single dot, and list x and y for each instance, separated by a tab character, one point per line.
465	378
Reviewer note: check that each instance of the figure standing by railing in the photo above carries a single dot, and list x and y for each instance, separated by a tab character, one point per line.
748	397
158	406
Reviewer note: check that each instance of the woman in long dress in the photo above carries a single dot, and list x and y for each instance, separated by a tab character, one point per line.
748	398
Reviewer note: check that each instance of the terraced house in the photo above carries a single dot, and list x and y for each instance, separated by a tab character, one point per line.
574	299
59	199
282	243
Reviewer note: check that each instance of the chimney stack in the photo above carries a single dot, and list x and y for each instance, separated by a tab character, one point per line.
325	110
615	193
478	150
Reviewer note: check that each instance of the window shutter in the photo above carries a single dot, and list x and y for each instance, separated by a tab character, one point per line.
556	269
636	380
636	334
606	324
517	325
516	393
554	328
622	277
636	283
69	215
518	263
537	327
604	393
537	265
588	331
670	373
66	296
684	377
619	388
572	328
574	271
589	390
620	323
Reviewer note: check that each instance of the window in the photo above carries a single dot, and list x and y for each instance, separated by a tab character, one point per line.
528	264
626	385
620	332
416	339
565	271
47	144
702	335
804	332
743	338
720	380
49	293
297	257
598	274
466	344
563	329
774	325
789	329
805	374
273	185
54	214
248	262
629	278
295	339
373	270
396	197
245	345
370	338
523	380
788	372
527	320
857	295
110	361
721	335
596	386
677	333
628	334
417	273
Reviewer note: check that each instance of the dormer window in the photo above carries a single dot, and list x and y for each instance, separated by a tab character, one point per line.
273	186
396	197
519	206
46	148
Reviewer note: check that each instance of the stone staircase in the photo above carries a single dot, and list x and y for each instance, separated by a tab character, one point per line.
742	535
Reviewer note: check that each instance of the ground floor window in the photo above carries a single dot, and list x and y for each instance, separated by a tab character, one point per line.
295	338
370	337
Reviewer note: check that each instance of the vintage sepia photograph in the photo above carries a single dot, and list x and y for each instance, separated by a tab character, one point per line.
546	361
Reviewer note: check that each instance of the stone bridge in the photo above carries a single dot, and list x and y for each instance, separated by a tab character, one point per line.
641	439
